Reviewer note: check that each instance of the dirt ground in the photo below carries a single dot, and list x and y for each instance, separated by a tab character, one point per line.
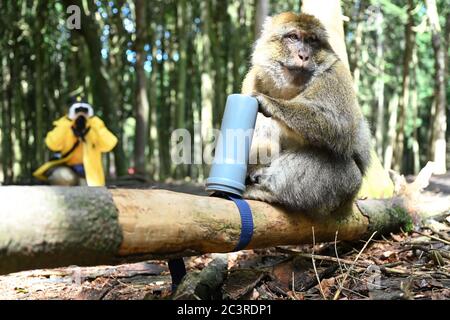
412	265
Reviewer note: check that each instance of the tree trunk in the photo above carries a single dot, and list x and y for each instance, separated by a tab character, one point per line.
103	98
6	143
379	83
180	114
163	111
356	63
262	11
43	227
404	98
330	14
142	105
439	125
207	92
40	11
393	113
415	112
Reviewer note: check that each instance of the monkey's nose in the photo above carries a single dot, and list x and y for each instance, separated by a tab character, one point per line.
303	57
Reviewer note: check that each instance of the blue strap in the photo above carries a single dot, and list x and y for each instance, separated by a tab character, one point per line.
177	267
246	221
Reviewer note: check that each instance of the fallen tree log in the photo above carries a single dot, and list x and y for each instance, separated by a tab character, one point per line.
43	227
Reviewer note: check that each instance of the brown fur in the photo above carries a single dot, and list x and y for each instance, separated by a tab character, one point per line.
324	140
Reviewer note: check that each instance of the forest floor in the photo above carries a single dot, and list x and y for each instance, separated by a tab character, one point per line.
412	265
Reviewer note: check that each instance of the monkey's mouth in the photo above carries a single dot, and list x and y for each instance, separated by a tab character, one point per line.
294	68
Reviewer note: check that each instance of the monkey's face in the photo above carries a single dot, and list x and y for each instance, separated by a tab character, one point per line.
291	45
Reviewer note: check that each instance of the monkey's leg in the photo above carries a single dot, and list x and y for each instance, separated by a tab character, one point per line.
307	181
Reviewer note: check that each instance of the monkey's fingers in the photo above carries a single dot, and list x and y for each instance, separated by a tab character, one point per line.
264	106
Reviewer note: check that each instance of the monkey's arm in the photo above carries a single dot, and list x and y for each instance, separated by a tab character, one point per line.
249	83
325	114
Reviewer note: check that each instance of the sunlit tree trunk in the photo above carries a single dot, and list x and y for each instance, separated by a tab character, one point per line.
153	90
379	83
207	92
163	110
262	11
357	44
439	125
6	146
142	105
329	12
415	112
393	113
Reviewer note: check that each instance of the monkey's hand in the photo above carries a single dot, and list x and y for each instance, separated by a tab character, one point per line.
266	105
259	176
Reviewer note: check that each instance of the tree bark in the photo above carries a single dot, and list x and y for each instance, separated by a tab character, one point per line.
40	11
43	227
355	48
142	105
404	98
181	106
439	125
330	14
262	11
392	125
379	83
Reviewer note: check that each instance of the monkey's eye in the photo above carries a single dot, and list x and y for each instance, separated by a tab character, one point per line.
293	37
313	39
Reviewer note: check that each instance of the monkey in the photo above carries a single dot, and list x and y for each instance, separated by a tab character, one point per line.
306	98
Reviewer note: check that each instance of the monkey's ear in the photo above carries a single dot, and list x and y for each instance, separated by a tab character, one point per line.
267	25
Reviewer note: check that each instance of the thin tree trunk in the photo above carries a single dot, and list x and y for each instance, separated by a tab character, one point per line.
217	10
439	125
153	127
415	111
356	63
142	105
404	98
207	92
379	132
153	158
40	11
239	27
393	113
7	151
163	111
262	11
180	114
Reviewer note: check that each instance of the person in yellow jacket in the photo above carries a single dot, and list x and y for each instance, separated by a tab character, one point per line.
79	138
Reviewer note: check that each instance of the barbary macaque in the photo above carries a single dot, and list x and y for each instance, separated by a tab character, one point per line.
306	98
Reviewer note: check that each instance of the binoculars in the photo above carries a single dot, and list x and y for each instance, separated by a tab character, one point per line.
229	168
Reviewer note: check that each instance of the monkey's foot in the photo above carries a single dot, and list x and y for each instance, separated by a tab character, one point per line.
253	192
259	177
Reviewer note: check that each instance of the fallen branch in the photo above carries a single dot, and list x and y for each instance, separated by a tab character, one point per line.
44	227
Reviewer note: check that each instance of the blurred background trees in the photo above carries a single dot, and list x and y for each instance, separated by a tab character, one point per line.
149	67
